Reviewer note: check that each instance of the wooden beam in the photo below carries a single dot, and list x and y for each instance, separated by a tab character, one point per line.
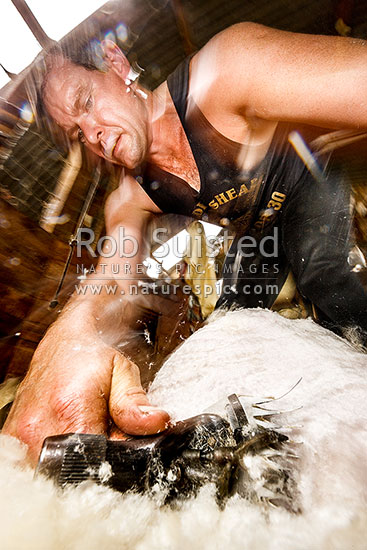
183	28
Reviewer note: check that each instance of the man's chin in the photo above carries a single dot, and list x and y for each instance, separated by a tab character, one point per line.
131	162
126	163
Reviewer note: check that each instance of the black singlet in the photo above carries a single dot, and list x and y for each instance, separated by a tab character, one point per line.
226	192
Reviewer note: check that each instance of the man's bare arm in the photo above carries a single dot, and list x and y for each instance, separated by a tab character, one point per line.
275	75
77	381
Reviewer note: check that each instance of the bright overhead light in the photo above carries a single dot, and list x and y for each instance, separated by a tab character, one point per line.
18	47
59	18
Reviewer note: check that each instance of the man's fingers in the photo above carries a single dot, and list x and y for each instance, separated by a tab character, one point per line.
26	430
129	405
79	403
115	433
68	410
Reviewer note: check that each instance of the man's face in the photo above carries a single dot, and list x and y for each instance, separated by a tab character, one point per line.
100	110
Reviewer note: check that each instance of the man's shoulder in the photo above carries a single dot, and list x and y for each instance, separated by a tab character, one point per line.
220	60
235	35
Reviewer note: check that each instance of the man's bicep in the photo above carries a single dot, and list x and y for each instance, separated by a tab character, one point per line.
277	75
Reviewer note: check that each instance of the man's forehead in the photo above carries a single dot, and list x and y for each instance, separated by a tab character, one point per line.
63	77
62	89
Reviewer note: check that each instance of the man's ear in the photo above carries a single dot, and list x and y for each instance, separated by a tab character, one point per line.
115	59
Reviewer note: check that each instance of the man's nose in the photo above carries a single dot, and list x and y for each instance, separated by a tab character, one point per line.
92	131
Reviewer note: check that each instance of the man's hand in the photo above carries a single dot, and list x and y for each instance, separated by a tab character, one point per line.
77	382
80	384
